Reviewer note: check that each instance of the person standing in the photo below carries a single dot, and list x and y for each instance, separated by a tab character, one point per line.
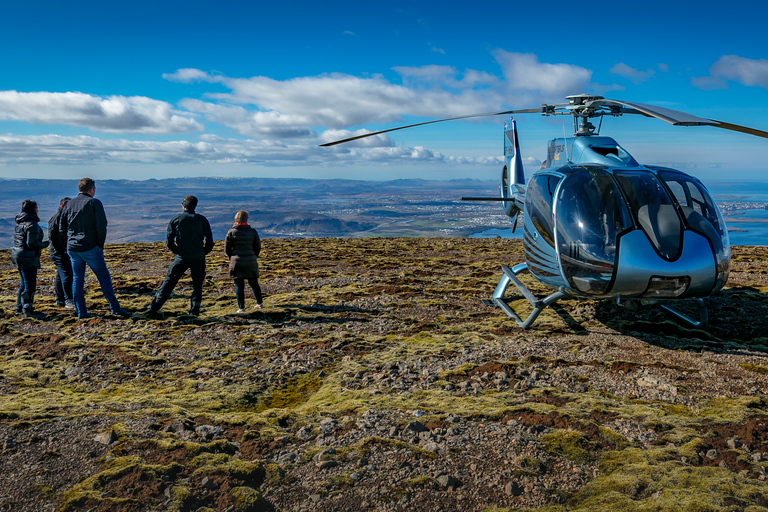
189	237
84	224
58	248
25	256
243	246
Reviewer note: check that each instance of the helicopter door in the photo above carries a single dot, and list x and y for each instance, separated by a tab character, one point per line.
590	215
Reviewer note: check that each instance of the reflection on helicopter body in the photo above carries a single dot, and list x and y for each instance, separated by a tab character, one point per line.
596	228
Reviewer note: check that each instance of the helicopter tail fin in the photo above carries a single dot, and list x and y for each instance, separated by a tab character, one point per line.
512	155
513	176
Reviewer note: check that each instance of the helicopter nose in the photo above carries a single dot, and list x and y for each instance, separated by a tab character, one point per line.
641	270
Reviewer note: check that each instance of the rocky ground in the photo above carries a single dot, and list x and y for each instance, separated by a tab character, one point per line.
375	379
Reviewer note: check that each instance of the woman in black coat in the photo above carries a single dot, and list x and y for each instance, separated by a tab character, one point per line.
243	246
25	256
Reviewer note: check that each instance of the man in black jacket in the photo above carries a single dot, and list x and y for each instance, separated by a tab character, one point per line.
189	237
84	224
63	284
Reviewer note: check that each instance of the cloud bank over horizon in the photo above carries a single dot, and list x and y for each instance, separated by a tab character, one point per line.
271	122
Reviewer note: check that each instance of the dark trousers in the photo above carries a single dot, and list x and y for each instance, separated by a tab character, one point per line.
63	283
253	282
26	294
175	271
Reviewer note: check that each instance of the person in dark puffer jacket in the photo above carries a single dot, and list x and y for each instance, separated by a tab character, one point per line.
25	256
242	245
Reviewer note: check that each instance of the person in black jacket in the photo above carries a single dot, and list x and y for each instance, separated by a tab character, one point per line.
84	224
58	248
189	237
243	246
25	256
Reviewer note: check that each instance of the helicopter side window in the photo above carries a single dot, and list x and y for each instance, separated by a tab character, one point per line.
538	204
699	209
590	215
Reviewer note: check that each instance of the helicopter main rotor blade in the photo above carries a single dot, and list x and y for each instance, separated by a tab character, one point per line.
520	111
678	118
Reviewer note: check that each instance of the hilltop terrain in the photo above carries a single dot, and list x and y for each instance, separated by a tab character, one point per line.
375	379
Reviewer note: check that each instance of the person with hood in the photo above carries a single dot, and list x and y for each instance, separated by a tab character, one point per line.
63	284
189	237
243	246
25	256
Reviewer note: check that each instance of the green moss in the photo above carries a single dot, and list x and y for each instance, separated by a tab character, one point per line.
570	444
249	500
754	368
295	392
691	450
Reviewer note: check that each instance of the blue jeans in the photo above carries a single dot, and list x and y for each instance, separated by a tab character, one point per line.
63	283
26	294
94	258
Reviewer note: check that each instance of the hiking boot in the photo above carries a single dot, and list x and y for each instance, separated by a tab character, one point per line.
69	304
121	312
258	306
241	310
31	313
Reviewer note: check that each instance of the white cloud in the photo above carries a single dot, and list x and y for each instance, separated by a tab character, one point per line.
525	74
631	73
264	107
751	72
114	114
436	49
189	75
85	150
282	122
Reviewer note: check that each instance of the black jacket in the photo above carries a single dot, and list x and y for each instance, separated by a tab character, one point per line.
58	240
84	223
243	246
189	236
27	241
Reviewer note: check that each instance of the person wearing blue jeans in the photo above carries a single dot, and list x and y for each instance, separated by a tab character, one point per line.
94	258
25	256
62	285
84	224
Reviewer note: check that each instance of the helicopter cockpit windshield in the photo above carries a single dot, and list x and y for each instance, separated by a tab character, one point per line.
590	215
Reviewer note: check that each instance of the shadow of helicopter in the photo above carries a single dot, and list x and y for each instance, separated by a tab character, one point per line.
738	322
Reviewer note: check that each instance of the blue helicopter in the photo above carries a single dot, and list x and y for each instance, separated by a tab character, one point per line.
598	224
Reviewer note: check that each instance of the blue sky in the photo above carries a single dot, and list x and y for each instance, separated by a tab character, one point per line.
155	89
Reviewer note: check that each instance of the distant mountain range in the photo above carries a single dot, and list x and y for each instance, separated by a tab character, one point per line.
139	211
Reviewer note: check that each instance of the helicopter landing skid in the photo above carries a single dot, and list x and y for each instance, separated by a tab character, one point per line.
510	276
703	320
